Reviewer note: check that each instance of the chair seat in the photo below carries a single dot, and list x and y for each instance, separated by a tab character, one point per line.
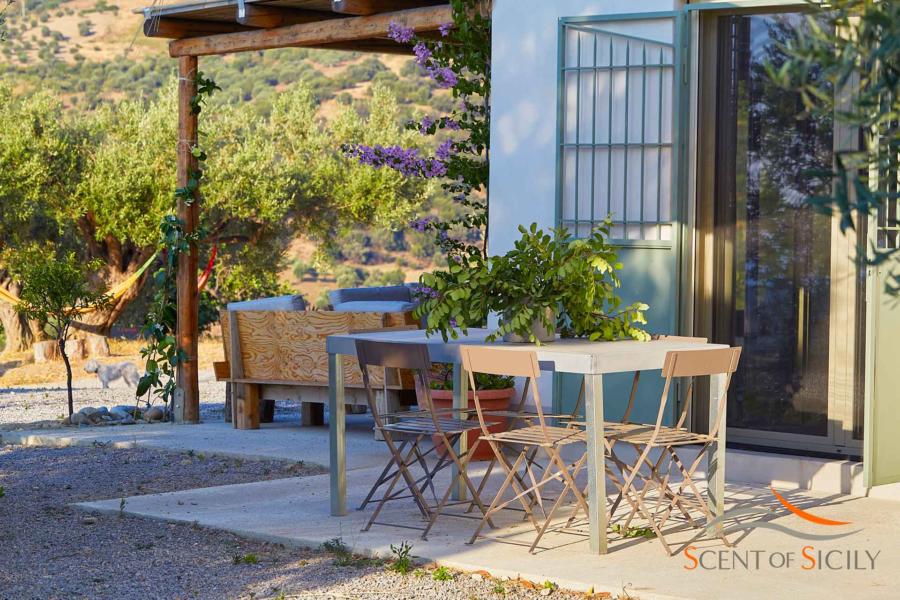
668	436
538	436
425	425
612	428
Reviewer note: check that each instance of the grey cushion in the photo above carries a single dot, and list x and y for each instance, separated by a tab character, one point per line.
278	303
385	306
395	293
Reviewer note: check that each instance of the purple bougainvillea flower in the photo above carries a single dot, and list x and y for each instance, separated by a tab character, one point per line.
423	54
445	29
421	224
443	151
443	76
451	124
425	124
400	33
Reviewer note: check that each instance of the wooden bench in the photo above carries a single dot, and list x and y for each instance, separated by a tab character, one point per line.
280	355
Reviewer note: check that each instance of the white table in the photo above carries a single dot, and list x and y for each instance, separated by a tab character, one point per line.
593	360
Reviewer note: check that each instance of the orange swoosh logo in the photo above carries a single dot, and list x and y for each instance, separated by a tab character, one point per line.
805	515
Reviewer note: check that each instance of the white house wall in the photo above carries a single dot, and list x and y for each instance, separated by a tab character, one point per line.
525	78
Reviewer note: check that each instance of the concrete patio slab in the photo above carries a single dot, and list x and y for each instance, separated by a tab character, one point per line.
280	440
296	512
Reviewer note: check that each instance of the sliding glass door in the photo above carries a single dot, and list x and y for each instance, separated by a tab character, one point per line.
780	267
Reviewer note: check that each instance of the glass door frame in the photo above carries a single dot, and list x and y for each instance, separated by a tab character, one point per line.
844	371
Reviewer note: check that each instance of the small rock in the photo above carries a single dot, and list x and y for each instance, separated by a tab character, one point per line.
79	419
546	591
117	413
477	576
154	414
88	520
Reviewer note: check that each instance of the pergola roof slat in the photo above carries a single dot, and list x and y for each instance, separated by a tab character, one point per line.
330	32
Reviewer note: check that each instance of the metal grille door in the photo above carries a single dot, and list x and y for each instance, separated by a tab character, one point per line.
618	129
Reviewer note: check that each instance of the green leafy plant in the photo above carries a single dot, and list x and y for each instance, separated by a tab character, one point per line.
633	532
844	65
442	379
245	559
552	279
162	354
403	558
442	574
54	292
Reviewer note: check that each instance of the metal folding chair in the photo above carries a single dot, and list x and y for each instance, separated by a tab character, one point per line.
409	436
534	436
685	496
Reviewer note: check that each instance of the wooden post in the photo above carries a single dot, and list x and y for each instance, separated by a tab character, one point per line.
187	403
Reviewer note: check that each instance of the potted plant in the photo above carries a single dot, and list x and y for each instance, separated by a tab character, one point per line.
494	394
548	283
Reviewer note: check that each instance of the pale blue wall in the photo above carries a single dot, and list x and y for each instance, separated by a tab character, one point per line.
524	95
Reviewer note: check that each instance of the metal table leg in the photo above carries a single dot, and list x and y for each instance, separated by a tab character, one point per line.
596	453
715	457
337	435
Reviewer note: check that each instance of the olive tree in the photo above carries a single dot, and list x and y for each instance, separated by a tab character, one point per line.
54	293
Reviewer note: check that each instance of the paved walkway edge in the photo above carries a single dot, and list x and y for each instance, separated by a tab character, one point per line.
300	542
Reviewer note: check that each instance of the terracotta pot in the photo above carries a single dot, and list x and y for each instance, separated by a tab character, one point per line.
491	400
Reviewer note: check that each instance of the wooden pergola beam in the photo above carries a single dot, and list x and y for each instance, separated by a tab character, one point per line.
368	7
333	31
170	28
187	398
267	17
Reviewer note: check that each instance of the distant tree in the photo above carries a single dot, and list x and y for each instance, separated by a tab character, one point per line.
101	185
55	290
38	161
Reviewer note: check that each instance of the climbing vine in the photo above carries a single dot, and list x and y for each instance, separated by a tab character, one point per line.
162	354
459	60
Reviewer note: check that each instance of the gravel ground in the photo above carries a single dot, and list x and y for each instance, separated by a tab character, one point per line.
43	405
50	550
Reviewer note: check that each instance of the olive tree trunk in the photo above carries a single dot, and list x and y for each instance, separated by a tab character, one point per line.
20	333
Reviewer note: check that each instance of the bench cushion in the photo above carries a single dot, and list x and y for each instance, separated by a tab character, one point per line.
278	303
380	306
392	293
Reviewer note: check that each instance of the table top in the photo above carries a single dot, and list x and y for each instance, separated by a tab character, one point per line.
564	355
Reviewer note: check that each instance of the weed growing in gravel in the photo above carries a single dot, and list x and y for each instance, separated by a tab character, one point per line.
499	588
246	559
442	574
633	532
121	508
403	563
344	558
2	491
420	573
549	585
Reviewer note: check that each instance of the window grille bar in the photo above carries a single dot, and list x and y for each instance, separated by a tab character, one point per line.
643	127
609	129
578	127
596	83
625	152
659	151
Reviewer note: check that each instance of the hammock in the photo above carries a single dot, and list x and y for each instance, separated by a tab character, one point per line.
116	292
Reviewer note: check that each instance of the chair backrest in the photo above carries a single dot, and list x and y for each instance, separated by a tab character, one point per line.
503	361
392	355
500	361
698	363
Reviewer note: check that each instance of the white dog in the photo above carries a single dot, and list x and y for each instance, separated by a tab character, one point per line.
108	373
